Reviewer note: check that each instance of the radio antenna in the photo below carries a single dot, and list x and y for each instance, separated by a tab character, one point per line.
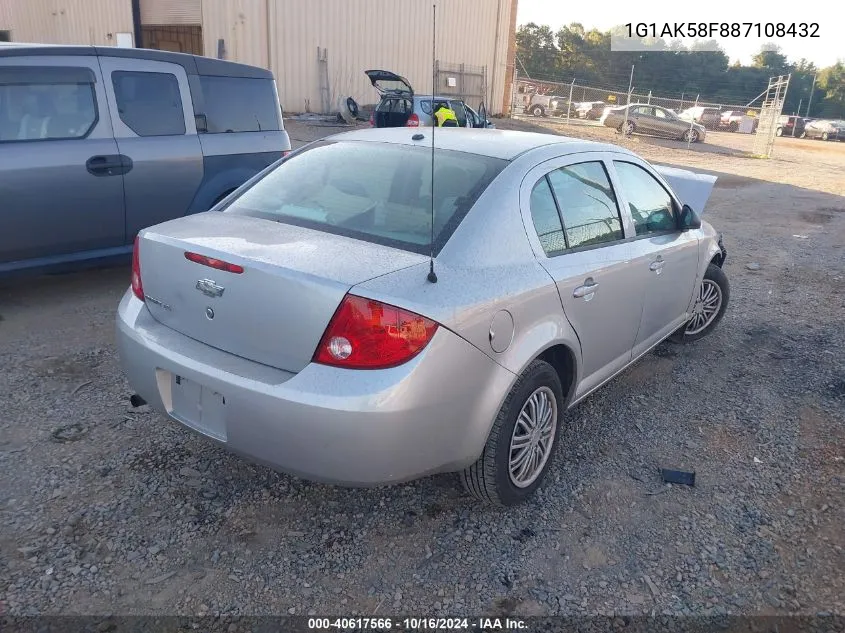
432	276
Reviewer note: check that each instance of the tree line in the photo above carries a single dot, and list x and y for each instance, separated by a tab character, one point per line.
672	70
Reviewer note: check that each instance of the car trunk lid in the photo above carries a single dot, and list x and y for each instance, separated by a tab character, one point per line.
388	83
276	310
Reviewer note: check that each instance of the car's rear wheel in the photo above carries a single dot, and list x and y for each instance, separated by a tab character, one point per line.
711	301
779	132
825	136
691	136
522	442
627	128
803	135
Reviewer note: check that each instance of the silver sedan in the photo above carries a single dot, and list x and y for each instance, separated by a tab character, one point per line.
344	319
643	118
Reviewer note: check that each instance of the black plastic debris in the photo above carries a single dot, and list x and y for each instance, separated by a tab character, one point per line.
677	477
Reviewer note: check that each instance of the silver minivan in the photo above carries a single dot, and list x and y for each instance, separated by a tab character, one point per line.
98	143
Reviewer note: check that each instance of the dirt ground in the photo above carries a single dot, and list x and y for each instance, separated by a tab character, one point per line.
106	509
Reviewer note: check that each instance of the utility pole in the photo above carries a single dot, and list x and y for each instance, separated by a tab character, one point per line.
800	101
569	105
812	88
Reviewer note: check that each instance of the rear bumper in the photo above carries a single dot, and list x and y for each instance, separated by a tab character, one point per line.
350	427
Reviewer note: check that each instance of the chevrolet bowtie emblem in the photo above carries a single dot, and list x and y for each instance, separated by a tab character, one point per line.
209	288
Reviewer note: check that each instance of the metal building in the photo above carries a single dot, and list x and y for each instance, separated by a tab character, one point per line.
318	49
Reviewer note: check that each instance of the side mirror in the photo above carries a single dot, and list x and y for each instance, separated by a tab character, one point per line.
689	219
202	123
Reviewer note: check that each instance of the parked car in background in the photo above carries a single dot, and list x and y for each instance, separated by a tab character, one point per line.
825	130
706	116
731	120
300	325
399	106
541	105
591	110
648	119
97	143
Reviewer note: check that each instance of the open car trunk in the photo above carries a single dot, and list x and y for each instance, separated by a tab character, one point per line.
276	310
397	98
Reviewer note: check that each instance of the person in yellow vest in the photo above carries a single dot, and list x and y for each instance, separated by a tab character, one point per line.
445	116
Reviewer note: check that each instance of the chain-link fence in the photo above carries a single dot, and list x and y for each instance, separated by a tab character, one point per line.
577	101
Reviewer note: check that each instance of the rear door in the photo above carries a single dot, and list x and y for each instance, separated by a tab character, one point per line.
579	237
61	183
388	83
662	257
153	118
460	113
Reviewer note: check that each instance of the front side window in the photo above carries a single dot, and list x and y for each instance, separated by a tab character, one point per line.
651	205
240	104
587	204
46	103
546	218
149	103
376	192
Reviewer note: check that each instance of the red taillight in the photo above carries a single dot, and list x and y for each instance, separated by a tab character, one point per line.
413	121
137	286
368	334
211	262
285	153
373	119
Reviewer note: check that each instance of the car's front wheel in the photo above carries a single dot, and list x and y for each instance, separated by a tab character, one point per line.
825	136
523	439
627	128
711	301
779	132
537	110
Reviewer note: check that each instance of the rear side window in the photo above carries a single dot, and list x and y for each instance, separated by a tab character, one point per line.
546	218
375	192
239	104
651	205
149	103
587	204
40	103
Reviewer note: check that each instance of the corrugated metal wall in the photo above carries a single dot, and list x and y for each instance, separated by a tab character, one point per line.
242	24
171	12
92	22
284	35
358	35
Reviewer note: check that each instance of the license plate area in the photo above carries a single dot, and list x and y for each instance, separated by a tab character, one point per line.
198	407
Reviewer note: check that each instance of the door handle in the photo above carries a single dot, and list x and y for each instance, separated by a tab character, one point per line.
109	165
587	290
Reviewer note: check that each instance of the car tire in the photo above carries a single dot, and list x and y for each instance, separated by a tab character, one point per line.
779	132
825	136
803	135
627	128
690	136
733	126
537	110
715	280
490	478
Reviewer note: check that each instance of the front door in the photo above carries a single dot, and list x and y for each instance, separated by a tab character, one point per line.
581	244
665	257
153	118
61	182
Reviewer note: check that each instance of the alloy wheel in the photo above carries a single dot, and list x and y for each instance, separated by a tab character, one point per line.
533	437
706	307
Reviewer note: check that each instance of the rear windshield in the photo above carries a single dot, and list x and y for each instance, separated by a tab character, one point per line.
375	192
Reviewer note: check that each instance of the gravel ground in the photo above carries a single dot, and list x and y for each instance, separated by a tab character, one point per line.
108	509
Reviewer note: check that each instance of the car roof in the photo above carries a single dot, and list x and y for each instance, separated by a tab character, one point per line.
502	144
193	64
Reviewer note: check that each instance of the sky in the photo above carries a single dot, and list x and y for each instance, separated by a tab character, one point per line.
604	14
